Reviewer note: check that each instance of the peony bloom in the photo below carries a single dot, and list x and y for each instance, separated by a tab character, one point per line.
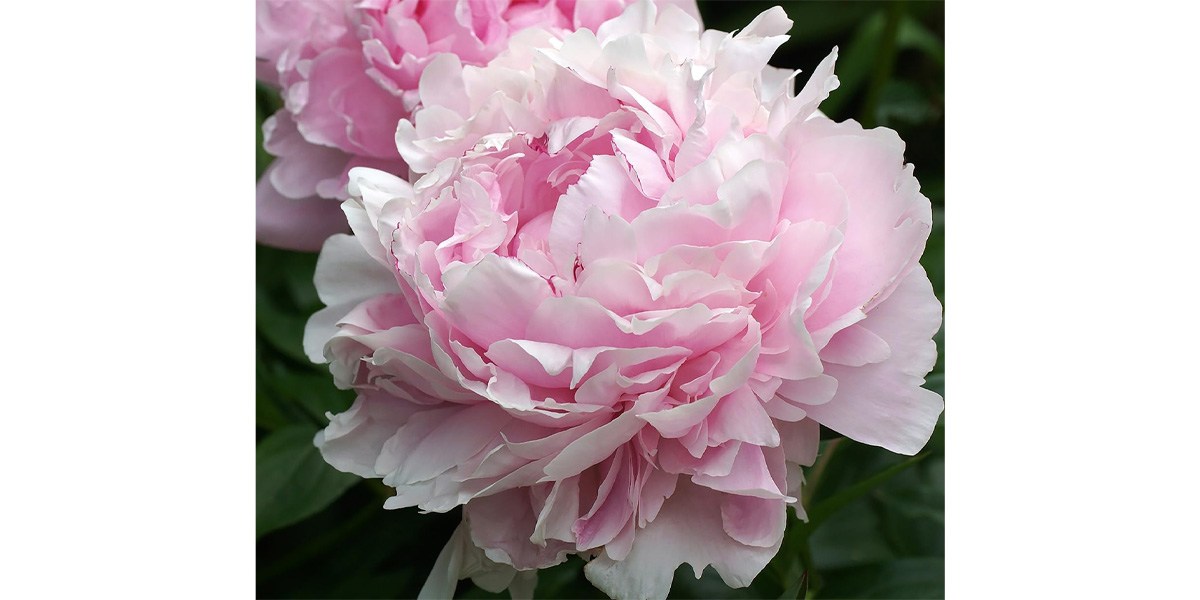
349	70
633	274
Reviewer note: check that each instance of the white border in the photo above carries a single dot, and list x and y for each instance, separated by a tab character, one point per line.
128	288
1073	210
1072	195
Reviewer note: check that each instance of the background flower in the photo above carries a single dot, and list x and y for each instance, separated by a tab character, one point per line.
865	464
348	71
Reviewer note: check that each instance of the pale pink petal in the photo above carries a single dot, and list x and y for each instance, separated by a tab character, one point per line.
754	521
594	447
559	513
888	220
688	529
346	273
753	46
740	416
460	559
302	168
652	178
801	440
612	509
807	392
433	442
883	404
816	89
501	524
354	439
856	346
294	224
750	476
658	487
716	460
605	186
494	299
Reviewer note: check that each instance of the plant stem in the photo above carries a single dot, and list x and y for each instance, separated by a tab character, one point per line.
814	578
796	536
814	474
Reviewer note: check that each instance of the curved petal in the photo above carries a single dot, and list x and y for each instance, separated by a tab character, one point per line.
294	224
346	273
354	439
883	404
688	529
460	559
501	524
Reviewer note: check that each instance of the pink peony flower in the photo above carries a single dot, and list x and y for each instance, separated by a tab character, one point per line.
349	70
633	275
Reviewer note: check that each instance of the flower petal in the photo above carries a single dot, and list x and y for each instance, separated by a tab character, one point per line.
294	224
883	404
688	529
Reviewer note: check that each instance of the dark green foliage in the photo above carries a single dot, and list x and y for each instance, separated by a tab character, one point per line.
324	534
293	481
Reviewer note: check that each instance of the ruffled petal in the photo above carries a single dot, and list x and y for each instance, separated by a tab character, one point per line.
294	224
883	404
688	529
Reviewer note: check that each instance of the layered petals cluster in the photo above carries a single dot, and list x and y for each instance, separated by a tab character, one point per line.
631	274
349	70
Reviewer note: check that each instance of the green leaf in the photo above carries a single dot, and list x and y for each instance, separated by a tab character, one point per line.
834	503
819	21
285	398
281	330
267	99
685	586
850	538
903	101
306	555
267	414
934	188
855	63
284	300
312	392
565	580
902	578
799	589
386	585
292	480
916	36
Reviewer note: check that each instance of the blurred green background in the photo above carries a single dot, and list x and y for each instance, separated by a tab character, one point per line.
877	527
